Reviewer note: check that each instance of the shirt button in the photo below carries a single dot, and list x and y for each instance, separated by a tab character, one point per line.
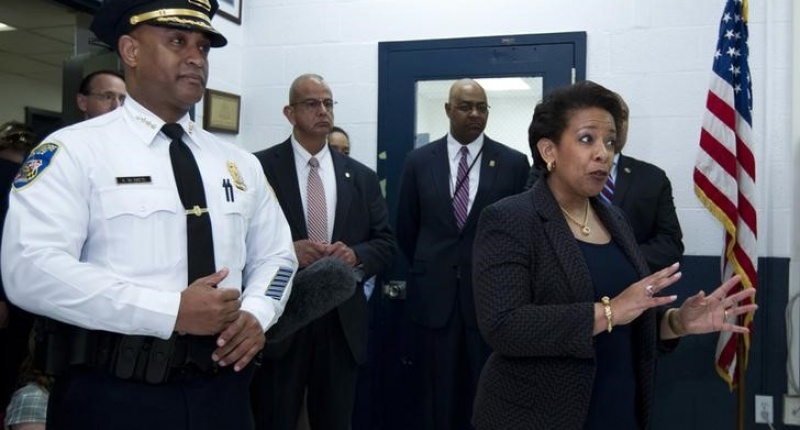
142	208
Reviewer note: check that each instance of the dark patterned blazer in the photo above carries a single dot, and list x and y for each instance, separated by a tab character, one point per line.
534	301
644	193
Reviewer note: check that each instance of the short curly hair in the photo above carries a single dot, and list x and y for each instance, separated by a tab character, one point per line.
553	112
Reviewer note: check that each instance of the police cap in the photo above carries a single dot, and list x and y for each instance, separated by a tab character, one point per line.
118	17
17	136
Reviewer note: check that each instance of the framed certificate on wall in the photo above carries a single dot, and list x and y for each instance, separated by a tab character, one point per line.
221	111
231	9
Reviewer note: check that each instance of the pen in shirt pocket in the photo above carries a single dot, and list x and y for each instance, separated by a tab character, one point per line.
226	184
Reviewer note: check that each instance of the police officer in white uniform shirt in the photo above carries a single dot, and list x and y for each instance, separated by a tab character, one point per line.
103	236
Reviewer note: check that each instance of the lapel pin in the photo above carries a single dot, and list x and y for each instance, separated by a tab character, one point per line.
627	170
491	163
346	174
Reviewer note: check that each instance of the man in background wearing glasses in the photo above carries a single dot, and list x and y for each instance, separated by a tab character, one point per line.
444	187
101	92
335	208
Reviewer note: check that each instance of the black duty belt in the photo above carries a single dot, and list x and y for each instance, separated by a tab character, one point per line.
139	358
156	361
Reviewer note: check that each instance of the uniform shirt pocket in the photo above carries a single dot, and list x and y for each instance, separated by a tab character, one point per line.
144	231
231	238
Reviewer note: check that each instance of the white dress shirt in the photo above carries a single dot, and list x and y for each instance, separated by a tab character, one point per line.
326	174
97	237
454	155
613	172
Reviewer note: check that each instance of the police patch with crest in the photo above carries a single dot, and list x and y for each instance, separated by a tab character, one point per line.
35	164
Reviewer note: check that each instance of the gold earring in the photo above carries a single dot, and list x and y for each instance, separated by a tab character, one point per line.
551	165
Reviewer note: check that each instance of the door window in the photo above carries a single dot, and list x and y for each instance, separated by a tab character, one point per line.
511	103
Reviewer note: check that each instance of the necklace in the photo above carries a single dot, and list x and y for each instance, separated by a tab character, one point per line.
585	230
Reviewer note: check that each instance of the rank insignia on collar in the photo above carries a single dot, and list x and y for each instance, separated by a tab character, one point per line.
238	182
35	164
146	121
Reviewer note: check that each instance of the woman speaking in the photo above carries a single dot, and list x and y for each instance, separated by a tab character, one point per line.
563	293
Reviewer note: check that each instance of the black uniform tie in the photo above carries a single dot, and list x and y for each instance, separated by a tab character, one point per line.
199	240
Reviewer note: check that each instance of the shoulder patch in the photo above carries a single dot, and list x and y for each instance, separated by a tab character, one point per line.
36	163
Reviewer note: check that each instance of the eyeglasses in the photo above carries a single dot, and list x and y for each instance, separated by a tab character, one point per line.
109	97
469	107
314	104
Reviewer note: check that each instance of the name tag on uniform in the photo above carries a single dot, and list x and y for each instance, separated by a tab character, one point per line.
125	180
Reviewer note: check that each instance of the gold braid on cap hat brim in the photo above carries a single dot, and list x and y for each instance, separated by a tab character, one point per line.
189	22
172	15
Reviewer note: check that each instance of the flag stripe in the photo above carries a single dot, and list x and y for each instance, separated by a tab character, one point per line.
722	110
721	156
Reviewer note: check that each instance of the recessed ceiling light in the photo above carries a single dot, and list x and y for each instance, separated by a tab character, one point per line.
6	27
503	84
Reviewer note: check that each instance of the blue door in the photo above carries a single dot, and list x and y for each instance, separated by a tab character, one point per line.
414	78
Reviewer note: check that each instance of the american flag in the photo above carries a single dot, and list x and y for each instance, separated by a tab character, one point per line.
725	172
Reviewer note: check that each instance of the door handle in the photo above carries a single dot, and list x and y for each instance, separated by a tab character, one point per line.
395	290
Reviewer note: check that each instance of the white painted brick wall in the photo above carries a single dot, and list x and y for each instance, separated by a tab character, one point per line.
655	53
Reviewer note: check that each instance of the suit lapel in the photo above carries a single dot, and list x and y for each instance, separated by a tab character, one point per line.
564	243
623	180
344	192
288	189
489	167
440	175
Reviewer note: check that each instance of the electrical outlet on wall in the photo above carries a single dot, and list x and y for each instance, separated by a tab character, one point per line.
791	410
763	409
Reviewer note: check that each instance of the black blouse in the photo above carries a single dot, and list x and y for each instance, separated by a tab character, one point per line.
613	402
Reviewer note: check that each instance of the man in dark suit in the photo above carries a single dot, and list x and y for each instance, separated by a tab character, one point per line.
335	208
444	187
644	193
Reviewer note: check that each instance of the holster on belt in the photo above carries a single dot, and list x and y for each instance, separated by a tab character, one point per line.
159	360
154	361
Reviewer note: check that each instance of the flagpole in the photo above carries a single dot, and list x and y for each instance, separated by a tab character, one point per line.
741	358
741	353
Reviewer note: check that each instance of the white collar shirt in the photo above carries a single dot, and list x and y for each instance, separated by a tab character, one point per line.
454	157
326	174
99	232
613	172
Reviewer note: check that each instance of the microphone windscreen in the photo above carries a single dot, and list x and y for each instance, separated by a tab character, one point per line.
317	289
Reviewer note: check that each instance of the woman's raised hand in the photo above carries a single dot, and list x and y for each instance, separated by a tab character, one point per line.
641	296
716	312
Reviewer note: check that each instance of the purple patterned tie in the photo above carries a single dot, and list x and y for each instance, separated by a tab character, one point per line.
461	195
608	190
317	212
